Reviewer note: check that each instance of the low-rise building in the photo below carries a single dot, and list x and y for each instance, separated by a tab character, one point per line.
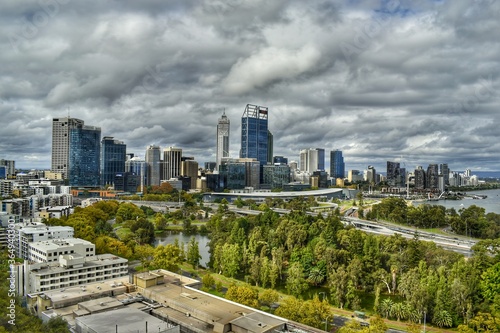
50	250
34	232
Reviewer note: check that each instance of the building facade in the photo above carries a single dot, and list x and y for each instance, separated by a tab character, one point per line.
223	129
153	160
113	156
84	155
254	133
172	159
337	165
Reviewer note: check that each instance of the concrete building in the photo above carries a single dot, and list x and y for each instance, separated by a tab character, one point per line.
50	250
10	168
172	159
73	270
223	130
189	168
27	233
153	159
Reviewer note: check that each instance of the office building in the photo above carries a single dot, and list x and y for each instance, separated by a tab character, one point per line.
138	167
172	160
30	233
113	156
354	176
445	171
153	159
76	151
128	182
321	159
223	127
276	176
254	133
432	177
190	169
419	178
280	160
210	166
10	168
337	165
393	175
234	174
371	175
310	160
321	177
270	146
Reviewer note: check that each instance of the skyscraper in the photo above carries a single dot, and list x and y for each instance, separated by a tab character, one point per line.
84	155
172	159
393	174
254	133
270	146
60	143
310	160
321	159
337	165
419	178
153	164
445	171
432	176
113	156
222	139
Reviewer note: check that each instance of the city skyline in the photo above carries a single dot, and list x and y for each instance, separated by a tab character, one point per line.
414	83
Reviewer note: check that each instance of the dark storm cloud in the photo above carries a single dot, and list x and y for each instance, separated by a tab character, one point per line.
415	81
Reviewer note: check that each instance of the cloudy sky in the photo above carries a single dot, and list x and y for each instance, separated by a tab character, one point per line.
415	81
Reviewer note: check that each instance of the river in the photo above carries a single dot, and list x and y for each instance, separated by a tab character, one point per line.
491	204
170	237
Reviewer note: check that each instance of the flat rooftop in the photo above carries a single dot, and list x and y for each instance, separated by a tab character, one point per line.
94	261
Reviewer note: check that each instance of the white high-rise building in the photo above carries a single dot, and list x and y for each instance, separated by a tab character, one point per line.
309	159
222	139
153	155
172	159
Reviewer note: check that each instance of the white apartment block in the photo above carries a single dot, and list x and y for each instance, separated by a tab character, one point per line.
29	233
50	250
72	270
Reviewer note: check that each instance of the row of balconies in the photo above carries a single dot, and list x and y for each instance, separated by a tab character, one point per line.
56	284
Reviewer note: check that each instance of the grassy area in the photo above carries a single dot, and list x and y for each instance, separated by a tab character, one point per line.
122	232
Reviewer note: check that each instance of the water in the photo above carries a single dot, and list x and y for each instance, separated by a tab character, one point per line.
170	237
491	204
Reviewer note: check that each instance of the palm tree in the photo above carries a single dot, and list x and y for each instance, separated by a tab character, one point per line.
399	311
385	307
316	276
443	319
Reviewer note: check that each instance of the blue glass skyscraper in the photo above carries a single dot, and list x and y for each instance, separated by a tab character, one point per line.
254	133
337	165
113	156
84	154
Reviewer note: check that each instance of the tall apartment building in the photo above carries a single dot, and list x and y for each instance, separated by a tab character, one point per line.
76	151
337	165
153	159
254	133
419	178
172	159
113	156
223	129
393	174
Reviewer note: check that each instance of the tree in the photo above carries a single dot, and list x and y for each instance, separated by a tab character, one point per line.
385	307
290	309
338	285
268	297
193	253
160	221
208	281
490	282
295	282
244	294
55	325
167	257
442	319
145	254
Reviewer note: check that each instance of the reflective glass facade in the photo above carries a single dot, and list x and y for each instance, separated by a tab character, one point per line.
337	166
254	133
84	154
113	155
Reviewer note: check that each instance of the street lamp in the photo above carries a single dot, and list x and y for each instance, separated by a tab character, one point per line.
326	323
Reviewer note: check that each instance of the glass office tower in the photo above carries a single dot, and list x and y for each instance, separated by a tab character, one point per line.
337	165
113	156
254	133
84	154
